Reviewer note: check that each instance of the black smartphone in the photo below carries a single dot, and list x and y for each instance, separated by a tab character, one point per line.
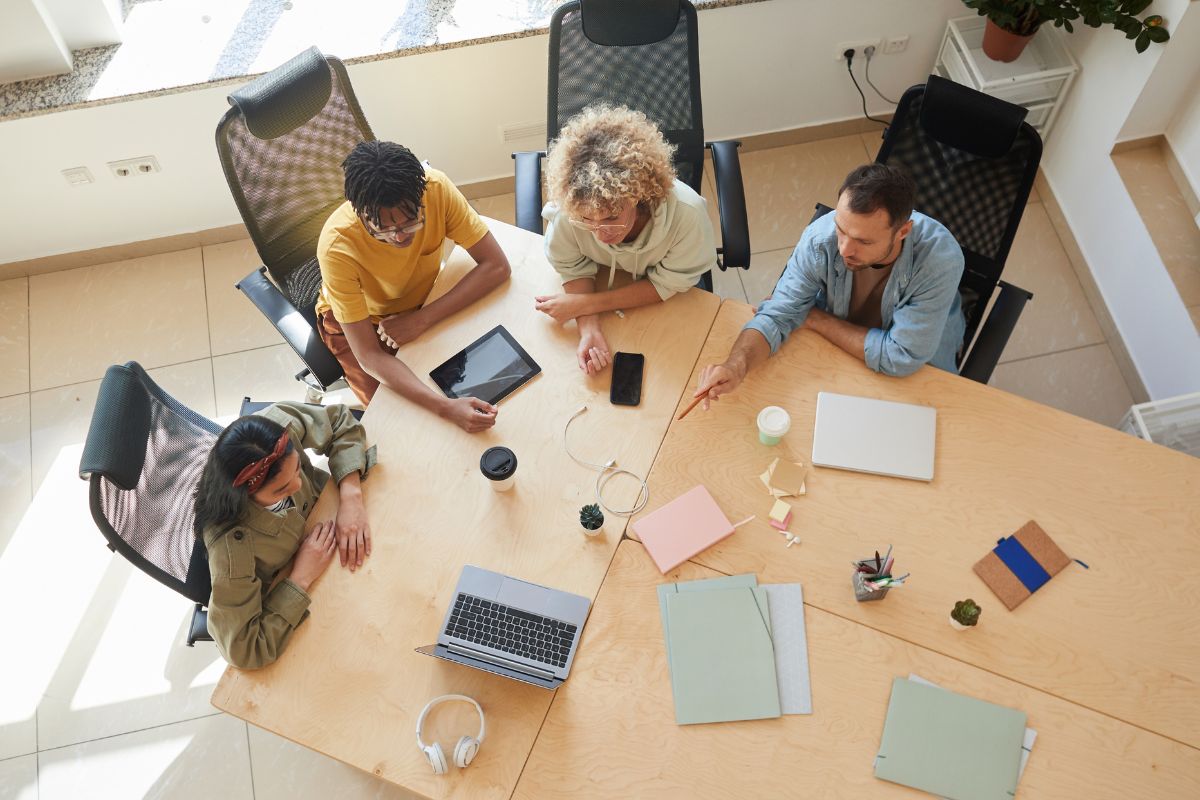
627	379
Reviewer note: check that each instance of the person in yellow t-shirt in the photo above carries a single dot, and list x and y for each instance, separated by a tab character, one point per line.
380	253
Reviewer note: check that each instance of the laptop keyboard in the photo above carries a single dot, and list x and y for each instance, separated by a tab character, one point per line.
518	632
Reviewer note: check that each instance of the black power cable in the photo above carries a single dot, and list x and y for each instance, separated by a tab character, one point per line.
849	56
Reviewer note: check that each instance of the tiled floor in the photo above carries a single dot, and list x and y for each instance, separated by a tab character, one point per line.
99	699
1164	210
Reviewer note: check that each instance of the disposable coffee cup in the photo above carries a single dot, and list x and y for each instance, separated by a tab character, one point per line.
773	423
499	466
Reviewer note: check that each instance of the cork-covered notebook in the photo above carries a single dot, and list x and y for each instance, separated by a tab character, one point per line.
1021	564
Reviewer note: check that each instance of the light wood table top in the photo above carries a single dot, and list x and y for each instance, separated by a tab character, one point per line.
611	730
350	685
1120	638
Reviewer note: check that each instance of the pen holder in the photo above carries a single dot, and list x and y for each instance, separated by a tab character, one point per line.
862	593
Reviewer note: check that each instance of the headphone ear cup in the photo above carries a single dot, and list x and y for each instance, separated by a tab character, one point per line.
464	751
437	759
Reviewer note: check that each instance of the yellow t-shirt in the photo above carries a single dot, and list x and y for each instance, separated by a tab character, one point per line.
362	277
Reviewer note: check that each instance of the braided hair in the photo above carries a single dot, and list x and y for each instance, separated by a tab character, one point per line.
383	175
246	440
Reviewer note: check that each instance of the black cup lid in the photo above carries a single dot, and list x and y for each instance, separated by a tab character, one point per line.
497	463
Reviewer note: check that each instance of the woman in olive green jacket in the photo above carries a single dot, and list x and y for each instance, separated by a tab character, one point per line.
252	503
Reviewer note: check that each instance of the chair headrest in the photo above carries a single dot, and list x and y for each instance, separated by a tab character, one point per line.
286	97
626	23
968	120
116	440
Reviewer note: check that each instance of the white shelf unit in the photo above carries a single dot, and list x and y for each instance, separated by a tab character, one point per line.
1038	80
1173	422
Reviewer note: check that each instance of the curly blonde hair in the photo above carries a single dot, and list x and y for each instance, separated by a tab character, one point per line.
605	156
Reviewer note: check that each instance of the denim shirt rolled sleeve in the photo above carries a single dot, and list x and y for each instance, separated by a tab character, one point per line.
798	290
926	323
920	308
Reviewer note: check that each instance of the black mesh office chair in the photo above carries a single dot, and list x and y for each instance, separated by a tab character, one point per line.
143	458
644	55
974	160
281	145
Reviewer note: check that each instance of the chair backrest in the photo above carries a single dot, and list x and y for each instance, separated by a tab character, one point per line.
143	456
281	145
974	160
644	55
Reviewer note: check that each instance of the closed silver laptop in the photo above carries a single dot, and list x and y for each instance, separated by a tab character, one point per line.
876	436
510	627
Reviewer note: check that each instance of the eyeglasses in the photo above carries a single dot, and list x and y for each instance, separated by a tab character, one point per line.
595	227
388	234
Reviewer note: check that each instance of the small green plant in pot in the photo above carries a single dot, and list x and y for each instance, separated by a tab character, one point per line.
591	519
1012	23
965	615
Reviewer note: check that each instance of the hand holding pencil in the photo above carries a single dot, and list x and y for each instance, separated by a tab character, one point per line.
715	380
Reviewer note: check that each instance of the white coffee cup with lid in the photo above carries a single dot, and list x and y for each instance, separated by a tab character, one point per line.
773	423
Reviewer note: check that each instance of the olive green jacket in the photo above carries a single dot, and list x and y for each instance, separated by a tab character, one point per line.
249	619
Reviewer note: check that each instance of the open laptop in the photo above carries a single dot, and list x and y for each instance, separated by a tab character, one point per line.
876	436
512	628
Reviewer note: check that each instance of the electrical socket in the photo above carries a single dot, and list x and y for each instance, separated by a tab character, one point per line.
131	167
895	44
857	47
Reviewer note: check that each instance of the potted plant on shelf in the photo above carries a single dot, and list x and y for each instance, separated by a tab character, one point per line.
1012	23
965	615
591	519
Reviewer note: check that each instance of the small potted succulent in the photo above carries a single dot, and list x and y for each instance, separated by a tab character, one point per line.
965	615
591	519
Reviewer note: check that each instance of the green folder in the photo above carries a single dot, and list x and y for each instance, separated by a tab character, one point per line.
722	660
950	744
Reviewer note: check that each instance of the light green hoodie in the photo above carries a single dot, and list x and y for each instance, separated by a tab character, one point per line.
675	248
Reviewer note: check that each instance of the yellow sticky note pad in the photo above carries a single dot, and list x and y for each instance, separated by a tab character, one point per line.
780	511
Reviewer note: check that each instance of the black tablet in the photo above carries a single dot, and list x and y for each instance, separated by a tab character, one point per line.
491	368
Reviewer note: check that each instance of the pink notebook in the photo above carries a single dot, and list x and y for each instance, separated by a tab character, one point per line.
683	527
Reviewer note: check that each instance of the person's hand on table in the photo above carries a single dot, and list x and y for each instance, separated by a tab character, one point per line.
470	413
397	329
719	379
593	353
353	531
315	553
562	307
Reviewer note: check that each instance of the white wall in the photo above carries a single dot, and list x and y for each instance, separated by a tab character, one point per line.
1174	82
765	66
1146	309
1183	134
86	23
30	44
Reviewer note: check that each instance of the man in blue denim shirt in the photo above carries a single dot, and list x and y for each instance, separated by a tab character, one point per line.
875	278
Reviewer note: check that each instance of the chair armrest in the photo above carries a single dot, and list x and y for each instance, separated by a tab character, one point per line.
292	326
994	333
529	189
198	627
731	205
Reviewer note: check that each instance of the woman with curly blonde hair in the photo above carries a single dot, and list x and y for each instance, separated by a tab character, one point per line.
615	201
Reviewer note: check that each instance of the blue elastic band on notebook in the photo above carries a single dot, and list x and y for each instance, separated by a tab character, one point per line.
1023	565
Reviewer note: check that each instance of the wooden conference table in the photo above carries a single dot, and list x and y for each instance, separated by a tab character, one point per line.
1101	659
1122	638
350	685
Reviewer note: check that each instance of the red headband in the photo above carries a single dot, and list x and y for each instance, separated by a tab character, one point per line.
254	472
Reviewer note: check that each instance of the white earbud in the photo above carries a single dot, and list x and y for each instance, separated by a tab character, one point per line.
466	748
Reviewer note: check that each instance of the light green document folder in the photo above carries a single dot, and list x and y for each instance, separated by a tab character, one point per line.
722	661
950	744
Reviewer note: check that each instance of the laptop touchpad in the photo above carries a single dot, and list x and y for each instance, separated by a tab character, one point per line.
519	594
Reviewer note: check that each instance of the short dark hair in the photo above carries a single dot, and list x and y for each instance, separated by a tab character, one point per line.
876	186
383	175
246	440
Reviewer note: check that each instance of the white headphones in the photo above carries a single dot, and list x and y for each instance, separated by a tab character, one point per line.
464	751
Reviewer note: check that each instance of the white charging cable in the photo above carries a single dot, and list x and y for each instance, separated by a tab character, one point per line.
605	472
